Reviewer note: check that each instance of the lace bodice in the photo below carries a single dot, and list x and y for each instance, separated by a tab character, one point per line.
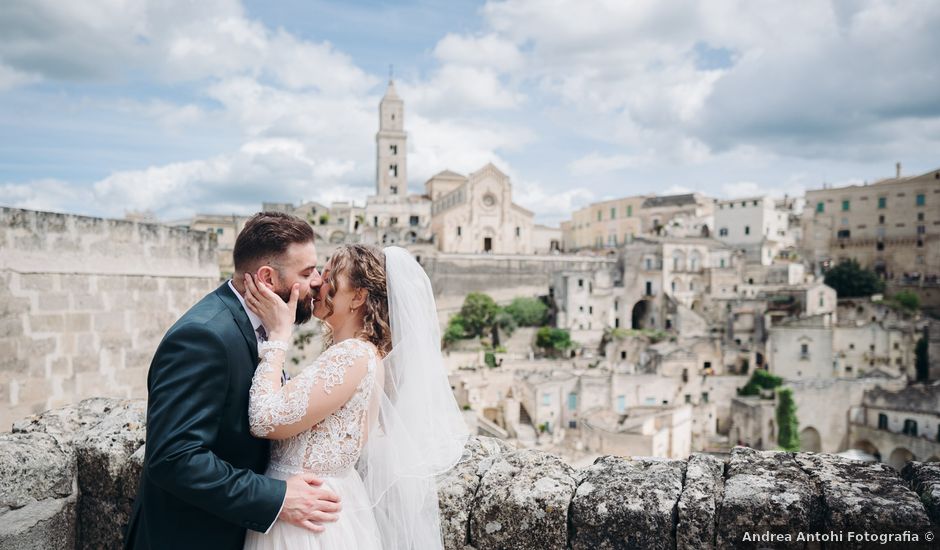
332	445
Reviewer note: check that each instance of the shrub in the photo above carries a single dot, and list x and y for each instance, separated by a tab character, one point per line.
528	312
851	281
788	431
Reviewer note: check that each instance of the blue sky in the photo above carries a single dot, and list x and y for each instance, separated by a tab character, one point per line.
180	107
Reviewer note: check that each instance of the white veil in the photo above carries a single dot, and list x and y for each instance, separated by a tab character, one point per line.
416	430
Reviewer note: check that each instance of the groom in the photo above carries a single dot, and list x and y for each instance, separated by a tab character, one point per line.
202	484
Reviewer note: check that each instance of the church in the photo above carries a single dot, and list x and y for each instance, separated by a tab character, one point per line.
459	214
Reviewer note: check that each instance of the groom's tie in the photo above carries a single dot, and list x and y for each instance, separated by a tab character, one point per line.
263	336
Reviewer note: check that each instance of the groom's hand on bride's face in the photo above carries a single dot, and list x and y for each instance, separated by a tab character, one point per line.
307	504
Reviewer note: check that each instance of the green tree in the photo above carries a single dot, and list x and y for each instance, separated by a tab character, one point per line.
788	427
907	300
760	380
478	313
528	312
553	340
851	281
922	361
503	322
455	330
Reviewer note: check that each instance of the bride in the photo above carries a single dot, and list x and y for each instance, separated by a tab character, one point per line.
373	416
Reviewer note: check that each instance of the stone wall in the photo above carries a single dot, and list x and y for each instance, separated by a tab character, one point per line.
502	276
68	479
84	303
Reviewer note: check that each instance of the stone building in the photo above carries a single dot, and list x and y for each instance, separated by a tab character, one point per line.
891	226
225	228
830	346
476	214
85	301
755	225
393	215
612	223
898	426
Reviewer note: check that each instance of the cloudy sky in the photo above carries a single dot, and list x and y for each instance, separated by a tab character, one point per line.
177	107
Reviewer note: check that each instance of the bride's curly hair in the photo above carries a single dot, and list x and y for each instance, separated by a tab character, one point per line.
363	267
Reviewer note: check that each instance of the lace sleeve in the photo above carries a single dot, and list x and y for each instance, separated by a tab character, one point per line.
272	406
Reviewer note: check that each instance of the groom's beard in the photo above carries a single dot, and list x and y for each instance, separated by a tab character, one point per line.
304	308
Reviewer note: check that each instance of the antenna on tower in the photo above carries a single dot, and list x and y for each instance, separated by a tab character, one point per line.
391	72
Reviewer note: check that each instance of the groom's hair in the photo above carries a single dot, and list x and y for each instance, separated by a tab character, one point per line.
266	236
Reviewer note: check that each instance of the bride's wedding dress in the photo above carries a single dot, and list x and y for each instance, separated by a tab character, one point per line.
329	450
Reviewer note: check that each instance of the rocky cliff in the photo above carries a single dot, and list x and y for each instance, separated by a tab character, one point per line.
68	479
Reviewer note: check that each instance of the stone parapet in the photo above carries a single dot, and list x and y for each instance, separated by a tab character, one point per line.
68	479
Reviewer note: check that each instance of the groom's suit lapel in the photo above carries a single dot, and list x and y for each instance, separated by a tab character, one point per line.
239	316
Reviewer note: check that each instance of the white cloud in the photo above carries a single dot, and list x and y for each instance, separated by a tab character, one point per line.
489	51
594	164
46	194
550	207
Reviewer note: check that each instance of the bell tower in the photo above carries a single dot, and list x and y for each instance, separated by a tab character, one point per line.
391	164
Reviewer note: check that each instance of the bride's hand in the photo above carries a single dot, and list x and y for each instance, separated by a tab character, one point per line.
277	317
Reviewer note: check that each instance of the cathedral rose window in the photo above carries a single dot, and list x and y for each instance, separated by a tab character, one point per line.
489	200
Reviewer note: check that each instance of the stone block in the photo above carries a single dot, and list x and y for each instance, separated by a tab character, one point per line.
33	468
53	301
106	448
86	363
67	423
112	321
87	302
102	523
522	502
767	492
39	347
45	524
458	486
107	283
12	325
924	478
867	497
52	322
626	503
46	282
77	322
700	501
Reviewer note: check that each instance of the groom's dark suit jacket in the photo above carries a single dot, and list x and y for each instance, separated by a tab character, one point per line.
201	484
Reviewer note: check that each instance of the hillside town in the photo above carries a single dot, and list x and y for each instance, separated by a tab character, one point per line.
648	325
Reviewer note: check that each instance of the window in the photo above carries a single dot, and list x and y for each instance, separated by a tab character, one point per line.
375	221
623	355
845	206
218	230
649	288
394	189
518	231
747	229
629	210
580	283
910	427
688	398
707	365
704	397
393	149
598	215
591	310
920	216
613	213
882	421
721	262
723	232
393	170
755	203
820	207
393	221
649	264
881	219
413	221
546	398
572	401
804	351
882	202
459	231
921	199
843	233
921	229
621	403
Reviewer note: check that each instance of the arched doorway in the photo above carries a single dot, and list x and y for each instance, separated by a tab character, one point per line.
899	457
639	319
810	440
867	446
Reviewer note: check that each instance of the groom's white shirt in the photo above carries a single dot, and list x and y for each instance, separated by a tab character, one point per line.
255	323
